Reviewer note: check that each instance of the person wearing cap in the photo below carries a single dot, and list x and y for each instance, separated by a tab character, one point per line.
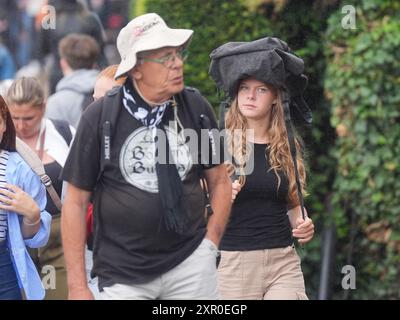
258	257
152	239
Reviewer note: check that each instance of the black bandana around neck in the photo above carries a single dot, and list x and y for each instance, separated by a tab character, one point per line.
139	109
169	182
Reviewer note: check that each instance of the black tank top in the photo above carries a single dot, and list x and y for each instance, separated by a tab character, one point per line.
259	214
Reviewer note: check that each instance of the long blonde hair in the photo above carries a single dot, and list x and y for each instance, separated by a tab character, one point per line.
278	148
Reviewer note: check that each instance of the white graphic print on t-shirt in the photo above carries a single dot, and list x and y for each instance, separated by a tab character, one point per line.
137	157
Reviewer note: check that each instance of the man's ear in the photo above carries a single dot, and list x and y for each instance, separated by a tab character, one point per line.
137	75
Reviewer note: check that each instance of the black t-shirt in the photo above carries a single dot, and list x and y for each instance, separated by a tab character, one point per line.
259	214
131	246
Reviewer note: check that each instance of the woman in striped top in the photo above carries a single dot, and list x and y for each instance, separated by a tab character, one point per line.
23	219
49	139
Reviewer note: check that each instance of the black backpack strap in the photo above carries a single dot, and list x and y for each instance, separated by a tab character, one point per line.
223	107
111	106
198	116
63	129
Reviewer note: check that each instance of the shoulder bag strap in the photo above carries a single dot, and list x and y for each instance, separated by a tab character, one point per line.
36	164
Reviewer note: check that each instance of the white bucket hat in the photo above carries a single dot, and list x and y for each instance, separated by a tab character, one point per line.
146	32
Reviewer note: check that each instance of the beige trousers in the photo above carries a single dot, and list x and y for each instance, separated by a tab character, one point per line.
193	279
271	274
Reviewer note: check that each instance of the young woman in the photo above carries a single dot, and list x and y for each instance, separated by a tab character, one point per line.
258	257
50	139
23	219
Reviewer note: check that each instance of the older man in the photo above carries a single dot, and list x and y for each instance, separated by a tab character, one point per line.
152	237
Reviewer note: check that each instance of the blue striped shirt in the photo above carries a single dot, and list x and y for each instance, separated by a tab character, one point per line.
3	214
20	174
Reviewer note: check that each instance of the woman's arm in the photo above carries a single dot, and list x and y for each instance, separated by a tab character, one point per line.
302	229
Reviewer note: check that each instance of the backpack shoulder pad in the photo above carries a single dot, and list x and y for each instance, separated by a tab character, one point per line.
191	89
113	91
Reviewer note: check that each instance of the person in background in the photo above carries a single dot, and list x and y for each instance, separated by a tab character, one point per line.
7	66
78	54
258	257
24	221
71	17
22	33
50	139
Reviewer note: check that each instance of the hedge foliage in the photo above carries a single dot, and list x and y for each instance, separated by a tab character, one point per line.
363	84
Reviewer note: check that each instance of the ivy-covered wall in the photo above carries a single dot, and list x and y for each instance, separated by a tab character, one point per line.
363	84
